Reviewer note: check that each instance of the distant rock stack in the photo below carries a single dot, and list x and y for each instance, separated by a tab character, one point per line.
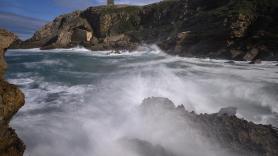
110	2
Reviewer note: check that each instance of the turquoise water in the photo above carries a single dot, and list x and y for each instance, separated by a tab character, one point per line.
79	102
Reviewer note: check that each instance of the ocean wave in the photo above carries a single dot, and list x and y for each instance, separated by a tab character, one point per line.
154	49
141	50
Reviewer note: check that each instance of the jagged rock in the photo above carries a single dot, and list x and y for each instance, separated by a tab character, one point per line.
11	100
238	136
10	144
251	55
6	39
229	29
230	111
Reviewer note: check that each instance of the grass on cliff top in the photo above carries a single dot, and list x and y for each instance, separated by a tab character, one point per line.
119	9
162	4
244	7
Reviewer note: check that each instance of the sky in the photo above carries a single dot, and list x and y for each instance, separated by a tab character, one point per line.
24	17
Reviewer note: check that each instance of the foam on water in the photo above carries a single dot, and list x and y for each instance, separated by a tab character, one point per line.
154	49
80	102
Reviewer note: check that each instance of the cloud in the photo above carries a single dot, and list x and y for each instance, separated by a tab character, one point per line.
81	4
77	4
136	2
23	26
5	4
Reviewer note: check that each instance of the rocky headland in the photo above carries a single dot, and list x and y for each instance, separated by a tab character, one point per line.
11	100
222	29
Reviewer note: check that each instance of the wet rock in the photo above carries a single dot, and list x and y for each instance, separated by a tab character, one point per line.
229	111
153	103
234	135
251	55
11	100
256	61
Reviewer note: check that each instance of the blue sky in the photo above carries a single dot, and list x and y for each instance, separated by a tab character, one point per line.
24	17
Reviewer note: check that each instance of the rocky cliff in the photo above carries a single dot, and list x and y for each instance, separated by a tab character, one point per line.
236	136
11	100
229	29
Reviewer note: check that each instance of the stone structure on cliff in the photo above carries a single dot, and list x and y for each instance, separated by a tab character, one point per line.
11	100
225	29
110	2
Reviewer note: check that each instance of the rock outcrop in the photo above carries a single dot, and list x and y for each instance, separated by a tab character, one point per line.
11	100
237	136
229	29
6	39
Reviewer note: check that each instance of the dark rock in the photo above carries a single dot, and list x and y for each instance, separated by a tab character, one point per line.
228	29
230	62
11	100
257	61
251	55
229	111
235	135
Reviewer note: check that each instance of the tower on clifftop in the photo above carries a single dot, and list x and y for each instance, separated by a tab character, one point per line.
110	2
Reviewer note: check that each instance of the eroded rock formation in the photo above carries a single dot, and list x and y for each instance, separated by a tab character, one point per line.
229	29
11	100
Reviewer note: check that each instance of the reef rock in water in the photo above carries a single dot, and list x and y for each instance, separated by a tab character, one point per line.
11	100
222	131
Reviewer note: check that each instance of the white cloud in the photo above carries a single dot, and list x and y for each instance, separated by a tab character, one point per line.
23	26
77	4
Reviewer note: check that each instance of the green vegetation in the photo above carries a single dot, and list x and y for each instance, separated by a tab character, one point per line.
244	7
120	9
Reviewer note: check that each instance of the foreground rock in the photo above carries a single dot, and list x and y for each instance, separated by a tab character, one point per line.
11	100
228	29
236	136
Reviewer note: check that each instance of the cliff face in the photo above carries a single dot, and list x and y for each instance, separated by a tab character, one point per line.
230	29
11	100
